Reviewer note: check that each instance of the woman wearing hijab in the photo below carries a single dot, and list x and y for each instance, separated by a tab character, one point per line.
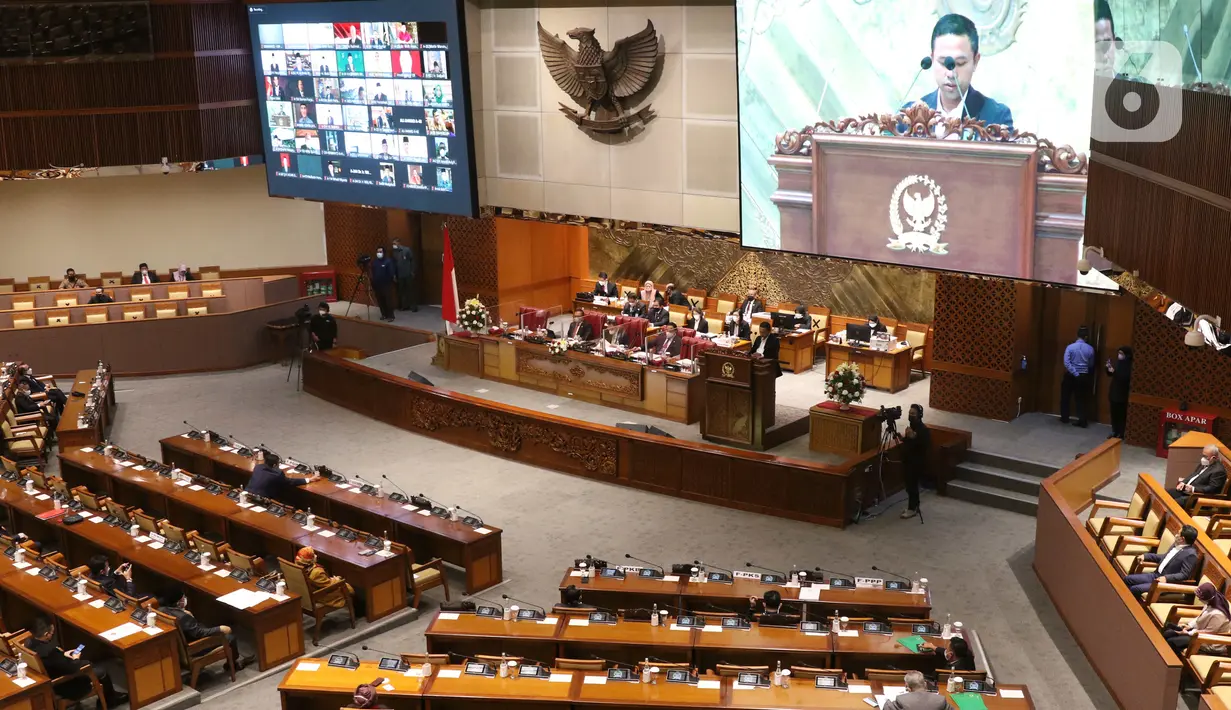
1215	618
319	579
1121	371
366	696
648	292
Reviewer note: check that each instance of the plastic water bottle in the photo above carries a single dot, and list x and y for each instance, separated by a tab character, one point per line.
946	631
243	497
427	670
19	555
654	616
778	674
834	623
204	560
504	666
310	520
645	671
151	620
81	587
280	588
508	614
21	670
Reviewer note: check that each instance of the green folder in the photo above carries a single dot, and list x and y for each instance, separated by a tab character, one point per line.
968	701
913	643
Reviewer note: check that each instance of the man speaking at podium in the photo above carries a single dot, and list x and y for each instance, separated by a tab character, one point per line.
955	37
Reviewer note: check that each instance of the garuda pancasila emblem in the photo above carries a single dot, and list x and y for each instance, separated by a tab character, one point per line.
600	81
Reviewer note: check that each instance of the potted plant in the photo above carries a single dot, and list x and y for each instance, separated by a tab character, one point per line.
845	385
473	316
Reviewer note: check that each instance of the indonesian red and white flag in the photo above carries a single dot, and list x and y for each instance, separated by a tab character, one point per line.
448	289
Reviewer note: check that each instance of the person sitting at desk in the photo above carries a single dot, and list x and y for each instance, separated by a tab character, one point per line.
917	696
580	329
766	347
955	657
1208	478
100	296
59	662
319	579
366	695
143	275
71	280
571	598
1212	620
696	320
182	274
173	602
648	292
732	325
25	404
1174	567
658	315
667	344
633	306
769	603
803	321
269	480
122	578
874	322
675	297
55	394
605	288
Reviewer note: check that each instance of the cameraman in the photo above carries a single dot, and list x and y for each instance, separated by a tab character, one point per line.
384	275
916	444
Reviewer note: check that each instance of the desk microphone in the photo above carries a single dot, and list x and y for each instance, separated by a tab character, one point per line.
195	429
612	662
385	653
519	601
646	562
472	659
478	517
241	446
706	565
924	65
361	478
833	574
765	569
435	504
401	491
895	574
476	596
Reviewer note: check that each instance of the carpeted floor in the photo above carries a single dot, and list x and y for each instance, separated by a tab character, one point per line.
978	559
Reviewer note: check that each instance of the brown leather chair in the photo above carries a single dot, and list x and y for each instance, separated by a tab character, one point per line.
201	653
428	575
886	676
217	550
92	501
145	521
297	581
249	563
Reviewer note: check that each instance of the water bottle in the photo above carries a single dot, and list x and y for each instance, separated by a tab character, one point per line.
585	573
1023	362
794	575
654	616
946	631
19	555
955	684
834	623
310	521
280	588
645	671
243	497
427	670
504	666
778	674
134	530
151	620
204	560
21	670
30	486
508	614
81	587
923	585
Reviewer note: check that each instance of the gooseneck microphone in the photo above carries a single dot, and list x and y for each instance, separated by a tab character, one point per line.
766	569
895	574
400	489
924	65
707	565
612	662
645	562
520	601
488	601
835	574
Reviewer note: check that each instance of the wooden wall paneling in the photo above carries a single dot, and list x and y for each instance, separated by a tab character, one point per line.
18	143
63	140
230	131
474	258
351	230
219	26
652	468
171	27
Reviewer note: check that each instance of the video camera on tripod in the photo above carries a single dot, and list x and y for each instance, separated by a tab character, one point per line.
891	415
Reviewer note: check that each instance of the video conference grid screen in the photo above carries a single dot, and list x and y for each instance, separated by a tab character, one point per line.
365	102
802	62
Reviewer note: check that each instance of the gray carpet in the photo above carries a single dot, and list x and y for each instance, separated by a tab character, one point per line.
978	559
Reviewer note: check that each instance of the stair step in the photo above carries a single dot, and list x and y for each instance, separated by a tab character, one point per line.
1000	478
1034	468
993	497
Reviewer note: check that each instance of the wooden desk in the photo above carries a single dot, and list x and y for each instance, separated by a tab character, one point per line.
797	351
469	634
851	432
277	625
635	592
478	553
882	370
863	651
67	431
622	384
151	662
381	580
324	687
37	696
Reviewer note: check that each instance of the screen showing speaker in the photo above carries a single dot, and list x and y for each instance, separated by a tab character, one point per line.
865	186
366	102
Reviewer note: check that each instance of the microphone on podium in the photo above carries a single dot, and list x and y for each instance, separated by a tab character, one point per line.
924	65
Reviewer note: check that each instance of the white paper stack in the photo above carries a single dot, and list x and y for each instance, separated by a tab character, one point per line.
121	631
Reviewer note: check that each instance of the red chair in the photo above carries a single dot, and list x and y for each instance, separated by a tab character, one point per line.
636	329
597	321
692	347
687	332
532	318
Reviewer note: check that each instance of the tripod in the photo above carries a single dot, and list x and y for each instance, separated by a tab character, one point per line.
367	286
888	436
297	351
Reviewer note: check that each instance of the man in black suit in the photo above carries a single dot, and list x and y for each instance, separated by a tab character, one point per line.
100	296
143	275
1176	566
605	288
658	315
24	402
579	328
668	342
269	480
59	662
1207	479
766	346
633	306
752	304
102	574
955	37
173	602
675	296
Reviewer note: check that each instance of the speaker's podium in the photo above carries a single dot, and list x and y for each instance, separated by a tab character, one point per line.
740	402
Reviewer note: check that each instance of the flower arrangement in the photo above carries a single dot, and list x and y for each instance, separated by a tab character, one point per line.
473	316
845	385
557	347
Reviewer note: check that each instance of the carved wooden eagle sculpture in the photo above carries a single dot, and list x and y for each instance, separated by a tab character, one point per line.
598	80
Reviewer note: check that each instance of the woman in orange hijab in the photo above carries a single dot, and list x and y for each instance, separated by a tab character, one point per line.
319	579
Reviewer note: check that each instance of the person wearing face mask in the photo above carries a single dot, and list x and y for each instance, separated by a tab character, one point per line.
269	480
955	657
752	304
648	292
384	275
323	327
579	329
731	324
916	444
633	306
766	346
1208	478
25	403
1215	618
658	315
1121	371
143	275
100	296
696	320
59	663
874	322
173	602
605	288
72	280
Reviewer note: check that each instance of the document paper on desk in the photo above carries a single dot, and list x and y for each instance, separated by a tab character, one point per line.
244	598
121	631
1012	694
23	682
810	594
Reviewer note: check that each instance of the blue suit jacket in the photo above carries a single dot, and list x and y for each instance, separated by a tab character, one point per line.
979	106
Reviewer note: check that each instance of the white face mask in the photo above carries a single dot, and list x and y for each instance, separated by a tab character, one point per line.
1205	460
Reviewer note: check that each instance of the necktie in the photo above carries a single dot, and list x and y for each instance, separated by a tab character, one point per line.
145	278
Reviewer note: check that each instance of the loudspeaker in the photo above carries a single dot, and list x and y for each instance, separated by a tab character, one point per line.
643	429
416	377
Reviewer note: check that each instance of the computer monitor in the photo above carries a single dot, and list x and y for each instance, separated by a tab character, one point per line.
860	332
782	321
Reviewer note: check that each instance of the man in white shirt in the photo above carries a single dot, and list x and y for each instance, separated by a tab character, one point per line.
1178	565
752	304
1208	478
